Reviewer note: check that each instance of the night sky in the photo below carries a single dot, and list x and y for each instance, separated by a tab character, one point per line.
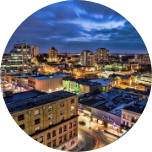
73	26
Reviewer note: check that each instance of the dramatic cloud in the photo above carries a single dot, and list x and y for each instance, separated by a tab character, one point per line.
72	26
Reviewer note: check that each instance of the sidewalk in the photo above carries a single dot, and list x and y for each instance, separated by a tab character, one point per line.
81	144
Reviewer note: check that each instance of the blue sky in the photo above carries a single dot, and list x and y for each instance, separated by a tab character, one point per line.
73	26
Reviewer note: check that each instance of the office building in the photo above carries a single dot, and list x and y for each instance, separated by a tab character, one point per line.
35	51
53	54
19	60
102	55
50	119
87	58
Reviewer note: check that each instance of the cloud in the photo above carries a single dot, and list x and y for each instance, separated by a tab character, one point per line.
78	25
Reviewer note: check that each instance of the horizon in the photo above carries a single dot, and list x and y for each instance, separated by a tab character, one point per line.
83	25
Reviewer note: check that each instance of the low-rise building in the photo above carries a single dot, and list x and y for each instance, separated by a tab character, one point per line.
47	83
106	108
106	84
130	115
74	85
50	119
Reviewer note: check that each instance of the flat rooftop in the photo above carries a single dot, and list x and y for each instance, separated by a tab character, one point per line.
49	76
23	104
23	96
135	108
103	81
83	82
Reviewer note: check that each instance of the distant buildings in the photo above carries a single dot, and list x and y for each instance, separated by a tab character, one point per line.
53	54
87	58
19	60
140	59
50	119
102	55
35	51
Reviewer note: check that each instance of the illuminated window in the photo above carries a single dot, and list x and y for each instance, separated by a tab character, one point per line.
72	108
36	112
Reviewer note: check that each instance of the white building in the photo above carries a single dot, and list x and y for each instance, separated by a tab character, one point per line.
130	115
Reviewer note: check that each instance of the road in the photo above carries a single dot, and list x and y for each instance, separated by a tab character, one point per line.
94	139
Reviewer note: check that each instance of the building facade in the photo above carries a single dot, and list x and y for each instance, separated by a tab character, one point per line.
53	54
102	55
20	59
87	58
51	119
35	51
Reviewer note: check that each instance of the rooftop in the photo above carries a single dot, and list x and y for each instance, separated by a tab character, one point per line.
84	82
103	81
112	101
30	102
135	108
49	76
127	76
22	96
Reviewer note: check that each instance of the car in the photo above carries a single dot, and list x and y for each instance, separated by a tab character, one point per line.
82	123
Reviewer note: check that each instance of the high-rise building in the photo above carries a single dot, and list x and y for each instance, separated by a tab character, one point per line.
50	119
53	54
102	55
87	58
35	51
19	60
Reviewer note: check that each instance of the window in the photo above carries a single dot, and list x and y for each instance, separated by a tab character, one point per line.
54	143
62	104
65	137
54	133
127	124
70	125
62	112
48	136
72	114
72	108
70	134
21	117
37	121
50	124
36	112
37	129
74	132
49	144
123	122
64	148
50	108
72	101
50	116
72	143
62	119
60	130
60	140
74	123
22	126
65	128
41	139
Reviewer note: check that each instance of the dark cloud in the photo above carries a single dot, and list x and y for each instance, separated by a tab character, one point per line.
72	26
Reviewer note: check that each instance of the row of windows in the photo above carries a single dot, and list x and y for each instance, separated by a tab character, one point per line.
50	116
37	121
61	139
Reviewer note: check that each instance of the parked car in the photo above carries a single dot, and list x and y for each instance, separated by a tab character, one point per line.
82	123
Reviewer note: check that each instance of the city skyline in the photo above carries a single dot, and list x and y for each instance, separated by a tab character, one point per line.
82	26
